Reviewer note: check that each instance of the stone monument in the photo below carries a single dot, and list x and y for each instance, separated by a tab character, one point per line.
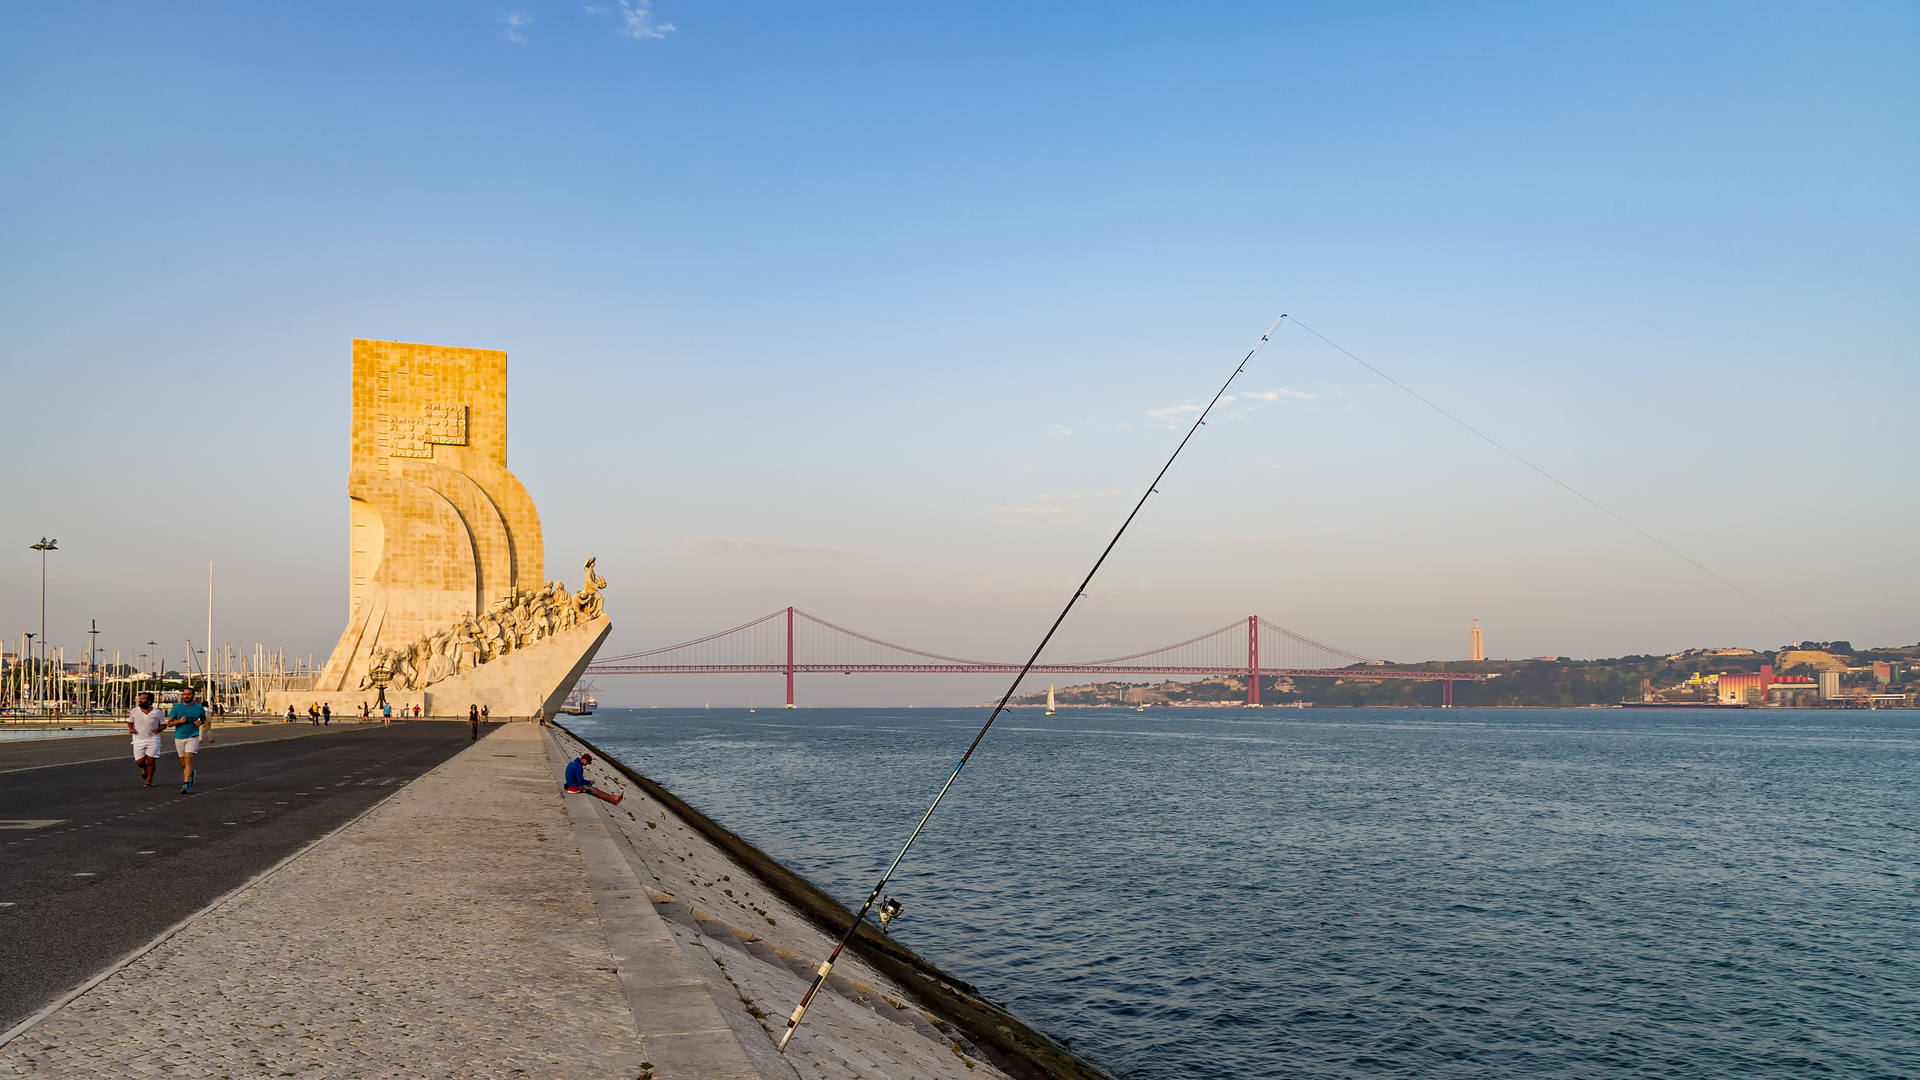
448	604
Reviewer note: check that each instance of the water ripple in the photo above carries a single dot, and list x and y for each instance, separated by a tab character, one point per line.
1354	893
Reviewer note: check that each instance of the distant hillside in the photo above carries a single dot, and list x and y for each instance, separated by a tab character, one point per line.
1557	683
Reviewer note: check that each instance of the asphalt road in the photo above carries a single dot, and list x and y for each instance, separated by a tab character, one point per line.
122	863
17	754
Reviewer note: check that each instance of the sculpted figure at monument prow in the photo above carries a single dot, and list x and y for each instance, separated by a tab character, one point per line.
448	597
512	622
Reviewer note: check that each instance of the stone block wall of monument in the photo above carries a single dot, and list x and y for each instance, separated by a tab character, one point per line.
446	565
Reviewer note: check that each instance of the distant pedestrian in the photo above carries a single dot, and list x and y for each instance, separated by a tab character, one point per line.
289	714
416	712
484	711
313	714
386	714
326	713
185	719
145	723
473	722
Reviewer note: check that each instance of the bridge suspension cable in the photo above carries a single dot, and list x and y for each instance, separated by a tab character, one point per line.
793	642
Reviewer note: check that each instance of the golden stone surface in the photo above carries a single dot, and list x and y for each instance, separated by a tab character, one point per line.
447	574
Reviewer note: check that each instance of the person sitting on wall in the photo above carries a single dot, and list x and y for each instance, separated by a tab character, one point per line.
578	783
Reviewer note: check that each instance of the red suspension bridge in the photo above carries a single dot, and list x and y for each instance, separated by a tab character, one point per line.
792	642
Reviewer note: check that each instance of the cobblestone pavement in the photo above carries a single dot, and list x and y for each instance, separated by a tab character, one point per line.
450	933
757	956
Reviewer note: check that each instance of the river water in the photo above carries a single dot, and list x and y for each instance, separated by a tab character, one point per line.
1359	893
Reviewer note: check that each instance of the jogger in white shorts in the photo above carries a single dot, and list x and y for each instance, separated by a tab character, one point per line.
145	723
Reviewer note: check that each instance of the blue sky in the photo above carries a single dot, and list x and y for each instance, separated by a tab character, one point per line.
880	310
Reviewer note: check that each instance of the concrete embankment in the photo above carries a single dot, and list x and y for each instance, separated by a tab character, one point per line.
765	928
479	923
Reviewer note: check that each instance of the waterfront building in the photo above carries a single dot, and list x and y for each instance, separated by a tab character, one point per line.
1830	686
1763	687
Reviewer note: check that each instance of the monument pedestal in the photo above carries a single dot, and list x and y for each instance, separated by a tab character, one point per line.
528	683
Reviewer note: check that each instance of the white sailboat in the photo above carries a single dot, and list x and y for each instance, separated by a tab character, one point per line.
1050	699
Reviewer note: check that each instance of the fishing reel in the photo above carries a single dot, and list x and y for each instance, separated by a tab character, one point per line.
889	911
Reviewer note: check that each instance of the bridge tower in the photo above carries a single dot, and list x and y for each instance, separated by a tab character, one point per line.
1253	661
790	703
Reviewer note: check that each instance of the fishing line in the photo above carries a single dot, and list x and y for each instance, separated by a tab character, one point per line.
1577	493
826	966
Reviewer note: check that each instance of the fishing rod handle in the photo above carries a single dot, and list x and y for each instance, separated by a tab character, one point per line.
806	999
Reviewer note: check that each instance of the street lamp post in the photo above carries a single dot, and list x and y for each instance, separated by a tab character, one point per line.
30	685
45	545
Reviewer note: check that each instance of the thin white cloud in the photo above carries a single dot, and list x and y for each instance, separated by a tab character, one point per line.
635	18
1052	506
1283	540
1073	496
517	21
1052	514
768	549
1174	412
1230	405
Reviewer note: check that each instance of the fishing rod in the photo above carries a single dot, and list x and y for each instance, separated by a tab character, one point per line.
826	966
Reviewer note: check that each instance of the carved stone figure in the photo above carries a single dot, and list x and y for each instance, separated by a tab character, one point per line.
502	613
467	645
587	600
513	622
406	671
561	604
491	646
524	622
436	656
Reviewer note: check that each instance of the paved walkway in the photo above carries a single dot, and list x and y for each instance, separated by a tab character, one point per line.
450	933
481	924
94	866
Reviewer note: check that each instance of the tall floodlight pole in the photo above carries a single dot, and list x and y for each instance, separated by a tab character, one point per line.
207	668
93	671
45	545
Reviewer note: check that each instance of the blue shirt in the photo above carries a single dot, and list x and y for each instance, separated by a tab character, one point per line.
190	714
576	774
